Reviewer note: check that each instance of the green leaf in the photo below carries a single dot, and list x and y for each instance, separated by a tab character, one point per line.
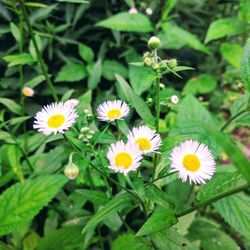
235	210
96	197
4	136
36	5
224	27
129	241
19	120
71	72
139	105
32	49
11	105
141	78
176	37
232	53
15	31
127	22
202	84
245	10
156	195
111	67
86	52
239	105
74	1
22	59
210	235
22	201
245	66
171	240
35	81
219	184
159	221
68	237
118	203
95	75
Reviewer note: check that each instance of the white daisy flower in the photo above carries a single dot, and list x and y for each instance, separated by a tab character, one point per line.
27	91
55	118
147	139
193	160
123	157
133	10
72	102
112	110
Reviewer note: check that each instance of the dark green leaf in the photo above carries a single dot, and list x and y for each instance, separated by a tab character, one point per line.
96	197
95	75
11	105
245	66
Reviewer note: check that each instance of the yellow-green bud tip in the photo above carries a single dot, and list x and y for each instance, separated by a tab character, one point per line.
71	171
154	42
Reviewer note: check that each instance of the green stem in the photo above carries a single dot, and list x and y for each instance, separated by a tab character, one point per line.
159	178
212	200
118	130
39	55
229	121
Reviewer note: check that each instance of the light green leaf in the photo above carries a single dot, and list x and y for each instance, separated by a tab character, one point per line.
96	197
235	210
32	49
71	72
11	105
139	105
19	120
245	66
202	84
86	52
68	237
74	1
4	136
129	241
22	59
219	184
15	31
118	203
95	75
42	13
245	10
211	236
156	195
127	22
159	221
232	53
22	201
239	105
35	81
141	78
36	5
224	27
111	67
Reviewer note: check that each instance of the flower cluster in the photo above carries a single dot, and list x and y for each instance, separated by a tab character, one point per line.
126	157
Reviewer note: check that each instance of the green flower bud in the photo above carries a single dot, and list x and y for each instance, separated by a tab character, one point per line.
155	66
147	54
162	86
172	63
149	100
71	171
148	61
154	42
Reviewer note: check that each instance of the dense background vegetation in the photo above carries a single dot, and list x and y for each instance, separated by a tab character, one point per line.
84	44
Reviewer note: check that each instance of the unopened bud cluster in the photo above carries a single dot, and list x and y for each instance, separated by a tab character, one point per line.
88	115
86	134
151	59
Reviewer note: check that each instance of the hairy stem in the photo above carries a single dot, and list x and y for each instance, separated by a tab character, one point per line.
39	55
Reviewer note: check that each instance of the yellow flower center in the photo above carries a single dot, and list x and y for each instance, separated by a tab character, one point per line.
123	160
144	144
191	162
114	113
27	92
55	121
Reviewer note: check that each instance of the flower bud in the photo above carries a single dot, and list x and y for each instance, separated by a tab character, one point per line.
149	100
149	11
148	61
154	42
174	99
172	63
161	85
133	10
27	91
71	171
147	54
155	66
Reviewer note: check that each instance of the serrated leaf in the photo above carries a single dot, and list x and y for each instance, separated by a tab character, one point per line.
245	66
232	53
71	72
220	184
118	203
96	197
159	221
22	201
239	105
68	237
11	105
139	105
235	210
129	241
127	22
224	27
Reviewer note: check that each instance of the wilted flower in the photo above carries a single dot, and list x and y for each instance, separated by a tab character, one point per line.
147	139
194	161
123	157
27	91
55	118
112	110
